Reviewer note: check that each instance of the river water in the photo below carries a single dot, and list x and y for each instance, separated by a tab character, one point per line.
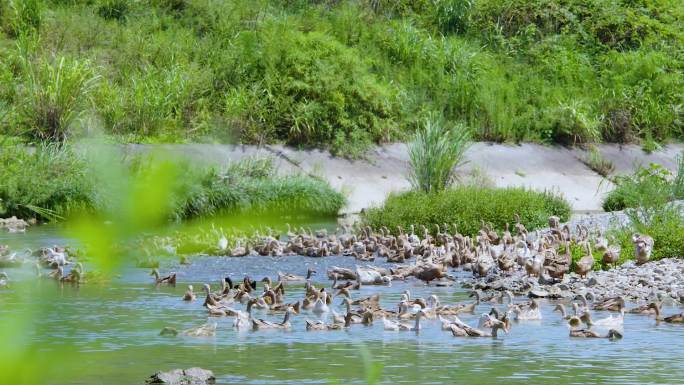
111	334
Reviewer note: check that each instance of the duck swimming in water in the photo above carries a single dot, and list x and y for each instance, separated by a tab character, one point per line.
608	322
206	330
467	331
586	333
674	319
392	325
167	280
189	294
259	324
320	325
285	277
321	306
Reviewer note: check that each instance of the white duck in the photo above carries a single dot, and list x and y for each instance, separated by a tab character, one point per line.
321	306
394	326
222	243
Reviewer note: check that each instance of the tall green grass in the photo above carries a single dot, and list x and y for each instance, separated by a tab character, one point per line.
435	153
345	75
54	97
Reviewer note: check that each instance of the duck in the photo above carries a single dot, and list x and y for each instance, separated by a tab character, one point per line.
243	319
643	247
394	326
611	256
447	322
529	313
285	277
320	325
586	263
260	324
586	333
4	279
674	319
206	330
74	275
561	308
189	294
608	322
321	305
167	280
467	331
222	243
646	309
610	304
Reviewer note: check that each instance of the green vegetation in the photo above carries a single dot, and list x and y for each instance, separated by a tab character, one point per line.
434	155
342	74
664	223
466	207
647	188
55	181
646	196
595	161
46	181
239	188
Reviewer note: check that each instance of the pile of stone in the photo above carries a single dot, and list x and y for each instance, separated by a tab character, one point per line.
635	283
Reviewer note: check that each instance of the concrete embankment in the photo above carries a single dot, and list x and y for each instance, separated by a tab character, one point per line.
367	182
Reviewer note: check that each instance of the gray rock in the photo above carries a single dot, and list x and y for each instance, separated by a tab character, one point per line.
191	376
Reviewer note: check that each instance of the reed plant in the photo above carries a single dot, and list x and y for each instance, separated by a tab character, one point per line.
435	154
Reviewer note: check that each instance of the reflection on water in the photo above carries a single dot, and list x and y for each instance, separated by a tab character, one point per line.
114	333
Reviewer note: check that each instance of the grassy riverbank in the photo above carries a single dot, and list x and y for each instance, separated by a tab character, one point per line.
341	74
52	181
467	207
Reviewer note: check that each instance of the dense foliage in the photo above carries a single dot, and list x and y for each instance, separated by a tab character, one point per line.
467	207
342	74
54	181
647	188
49	179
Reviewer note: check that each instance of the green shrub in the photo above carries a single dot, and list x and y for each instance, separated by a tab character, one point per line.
435	153
154	103
114	9
20	17
49	178
467	207
649	188
308	89
54	97
666	226
213	192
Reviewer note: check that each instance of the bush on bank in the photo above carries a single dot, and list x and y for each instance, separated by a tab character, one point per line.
54	181
467	207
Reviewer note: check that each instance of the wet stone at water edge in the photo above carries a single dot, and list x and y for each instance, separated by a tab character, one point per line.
191	376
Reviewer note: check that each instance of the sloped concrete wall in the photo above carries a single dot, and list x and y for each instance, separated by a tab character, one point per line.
367	182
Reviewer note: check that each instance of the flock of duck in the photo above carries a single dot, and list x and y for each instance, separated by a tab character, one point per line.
242	300
426	258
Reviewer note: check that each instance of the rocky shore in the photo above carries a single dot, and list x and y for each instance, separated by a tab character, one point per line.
663	278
